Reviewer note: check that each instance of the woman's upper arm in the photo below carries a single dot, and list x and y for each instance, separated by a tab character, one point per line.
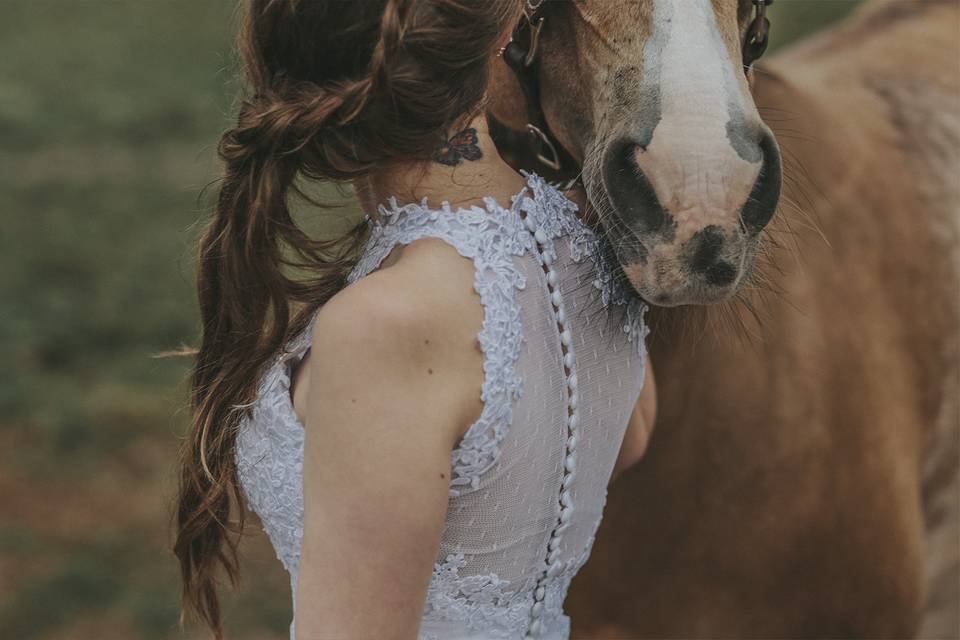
640	426
380	427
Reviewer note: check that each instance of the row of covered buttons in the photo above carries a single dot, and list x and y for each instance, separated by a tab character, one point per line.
555	566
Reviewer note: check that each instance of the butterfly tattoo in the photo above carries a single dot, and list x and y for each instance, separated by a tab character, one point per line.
462	146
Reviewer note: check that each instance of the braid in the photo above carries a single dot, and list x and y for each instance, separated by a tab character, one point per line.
284	121
393	28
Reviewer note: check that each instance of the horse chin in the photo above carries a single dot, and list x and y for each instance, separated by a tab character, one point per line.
665	285
686	264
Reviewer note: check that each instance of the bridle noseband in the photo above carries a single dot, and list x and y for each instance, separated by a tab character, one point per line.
522	55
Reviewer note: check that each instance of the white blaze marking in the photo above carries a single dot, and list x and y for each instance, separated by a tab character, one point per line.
690	161
694	63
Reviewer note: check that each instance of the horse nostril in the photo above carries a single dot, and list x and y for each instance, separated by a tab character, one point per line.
629	190
706	261
765	195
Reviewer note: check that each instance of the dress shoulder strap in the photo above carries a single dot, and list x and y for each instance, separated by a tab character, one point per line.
490	236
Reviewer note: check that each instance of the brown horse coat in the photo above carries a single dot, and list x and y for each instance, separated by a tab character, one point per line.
802	482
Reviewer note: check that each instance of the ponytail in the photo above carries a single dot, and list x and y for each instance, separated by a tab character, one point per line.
315	111
244	298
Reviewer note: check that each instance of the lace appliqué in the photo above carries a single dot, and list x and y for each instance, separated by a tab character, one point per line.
269	457
477	602
489	237
556	216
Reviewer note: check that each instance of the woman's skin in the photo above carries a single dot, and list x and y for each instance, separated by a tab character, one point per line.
394	384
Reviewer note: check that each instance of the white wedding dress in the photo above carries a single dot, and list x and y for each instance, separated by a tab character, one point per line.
563	343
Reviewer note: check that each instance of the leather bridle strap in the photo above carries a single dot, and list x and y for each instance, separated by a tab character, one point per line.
522	55
758	34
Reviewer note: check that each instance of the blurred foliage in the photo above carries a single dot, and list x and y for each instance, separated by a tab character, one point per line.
792	19
109	114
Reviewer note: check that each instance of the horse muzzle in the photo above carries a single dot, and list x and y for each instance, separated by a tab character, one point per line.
684	219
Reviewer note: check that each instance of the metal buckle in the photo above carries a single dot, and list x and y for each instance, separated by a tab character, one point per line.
758	34
534	26
544	141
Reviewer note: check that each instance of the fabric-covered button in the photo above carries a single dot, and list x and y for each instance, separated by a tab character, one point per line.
568	481
572	443
554	569
540	236
565	498
565	514
530	224
571	462
556	298
561	316
552	278
536	609
554	543
572	380
553	556
535	627
540	593
565	337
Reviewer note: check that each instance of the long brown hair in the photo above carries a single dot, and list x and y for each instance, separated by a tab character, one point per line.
334	90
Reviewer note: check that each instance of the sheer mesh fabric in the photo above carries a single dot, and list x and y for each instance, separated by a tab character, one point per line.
528	479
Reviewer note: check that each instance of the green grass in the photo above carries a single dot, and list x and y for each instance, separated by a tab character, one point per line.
109	113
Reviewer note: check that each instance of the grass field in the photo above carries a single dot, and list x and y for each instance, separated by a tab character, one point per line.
109	112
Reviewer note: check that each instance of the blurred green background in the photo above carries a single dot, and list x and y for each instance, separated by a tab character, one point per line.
109	115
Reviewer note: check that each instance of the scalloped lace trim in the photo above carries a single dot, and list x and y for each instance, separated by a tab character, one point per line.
476	601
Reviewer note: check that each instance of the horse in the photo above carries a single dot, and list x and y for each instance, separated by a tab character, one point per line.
802	479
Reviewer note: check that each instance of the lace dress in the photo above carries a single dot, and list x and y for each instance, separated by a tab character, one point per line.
564	356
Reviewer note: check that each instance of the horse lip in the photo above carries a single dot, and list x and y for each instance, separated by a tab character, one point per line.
689	290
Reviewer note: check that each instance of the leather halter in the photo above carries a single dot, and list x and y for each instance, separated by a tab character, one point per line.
522	55
758	34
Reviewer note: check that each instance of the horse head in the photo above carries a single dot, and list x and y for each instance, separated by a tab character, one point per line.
651	98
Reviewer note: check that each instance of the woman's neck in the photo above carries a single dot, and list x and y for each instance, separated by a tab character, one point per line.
464	170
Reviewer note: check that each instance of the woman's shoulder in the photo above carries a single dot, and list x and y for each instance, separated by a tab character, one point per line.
410	327
420	302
